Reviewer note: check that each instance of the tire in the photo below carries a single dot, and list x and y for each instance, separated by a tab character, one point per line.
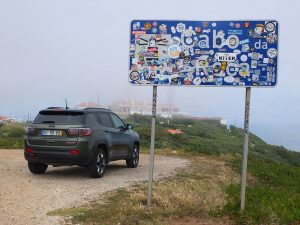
37	168
97	167
133	161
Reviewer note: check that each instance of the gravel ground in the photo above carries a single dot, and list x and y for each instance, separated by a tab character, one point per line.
25	198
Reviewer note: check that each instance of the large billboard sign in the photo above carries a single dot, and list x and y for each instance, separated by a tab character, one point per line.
203	53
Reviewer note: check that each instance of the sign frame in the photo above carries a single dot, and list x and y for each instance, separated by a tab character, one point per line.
276	43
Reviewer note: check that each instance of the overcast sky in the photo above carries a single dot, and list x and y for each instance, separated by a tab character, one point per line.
56	49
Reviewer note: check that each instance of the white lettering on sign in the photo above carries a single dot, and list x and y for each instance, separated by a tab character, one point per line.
226	57
219	40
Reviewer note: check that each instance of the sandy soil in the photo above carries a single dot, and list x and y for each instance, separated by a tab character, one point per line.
25	198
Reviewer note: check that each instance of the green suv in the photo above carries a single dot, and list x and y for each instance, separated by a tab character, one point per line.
90	137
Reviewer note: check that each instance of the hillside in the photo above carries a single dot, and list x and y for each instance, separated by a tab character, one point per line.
273	194
208	137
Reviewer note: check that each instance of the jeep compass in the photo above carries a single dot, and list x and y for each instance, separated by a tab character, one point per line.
90	137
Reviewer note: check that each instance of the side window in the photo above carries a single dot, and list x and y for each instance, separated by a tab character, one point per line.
91	118
105	120
117	121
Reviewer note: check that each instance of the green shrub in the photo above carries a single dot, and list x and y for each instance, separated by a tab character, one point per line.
12	130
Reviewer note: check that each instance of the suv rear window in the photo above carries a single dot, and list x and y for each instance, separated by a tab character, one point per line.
59	117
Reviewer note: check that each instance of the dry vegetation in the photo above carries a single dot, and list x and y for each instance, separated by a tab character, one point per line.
192	193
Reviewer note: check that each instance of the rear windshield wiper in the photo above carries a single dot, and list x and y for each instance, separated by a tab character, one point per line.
48	121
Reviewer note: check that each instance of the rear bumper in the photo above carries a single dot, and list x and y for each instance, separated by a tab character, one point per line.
59	156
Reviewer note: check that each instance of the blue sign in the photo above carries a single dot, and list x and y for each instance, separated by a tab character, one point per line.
203	53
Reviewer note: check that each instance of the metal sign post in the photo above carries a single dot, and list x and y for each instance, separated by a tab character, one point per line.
151	166
245	152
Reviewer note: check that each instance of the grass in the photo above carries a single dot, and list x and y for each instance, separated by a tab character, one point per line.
195	191
273	198
11	136
11	143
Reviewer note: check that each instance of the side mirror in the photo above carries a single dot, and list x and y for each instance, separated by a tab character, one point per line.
129	126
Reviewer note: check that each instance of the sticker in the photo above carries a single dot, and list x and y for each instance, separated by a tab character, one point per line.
245	48
237	25
175	40
270	26
132	47
229	79
204	24
246	24
203	44
134	75
219	81
136	26
266	60
155	24
174	51
154	30
138	32
244	69
197	81
173	30
147	26
134	67
209	59
255	78
213	24
271	38
253	64
237	32
198	29
163	29
244	58
226	57
180	27
187	81
233	41
272	53
134	61
189	41
244	41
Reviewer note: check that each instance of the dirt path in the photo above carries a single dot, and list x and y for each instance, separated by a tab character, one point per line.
26	198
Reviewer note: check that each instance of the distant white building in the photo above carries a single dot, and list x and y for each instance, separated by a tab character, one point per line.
82	105
126	108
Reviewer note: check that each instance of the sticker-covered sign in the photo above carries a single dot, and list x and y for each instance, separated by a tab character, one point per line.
203	53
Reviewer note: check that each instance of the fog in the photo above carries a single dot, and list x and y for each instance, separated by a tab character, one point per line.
51	50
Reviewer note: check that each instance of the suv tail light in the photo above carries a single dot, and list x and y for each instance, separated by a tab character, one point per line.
29	130
85	132
73	131
80	131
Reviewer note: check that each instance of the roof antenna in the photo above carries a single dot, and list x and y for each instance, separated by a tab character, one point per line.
66	104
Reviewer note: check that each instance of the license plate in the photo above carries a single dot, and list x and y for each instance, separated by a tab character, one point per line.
52	132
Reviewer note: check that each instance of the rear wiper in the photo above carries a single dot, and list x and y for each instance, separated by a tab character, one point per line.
48	121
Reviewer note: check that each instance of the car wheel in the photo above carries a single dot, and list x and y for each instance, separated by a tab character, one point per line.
37	168
135	156
98	165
